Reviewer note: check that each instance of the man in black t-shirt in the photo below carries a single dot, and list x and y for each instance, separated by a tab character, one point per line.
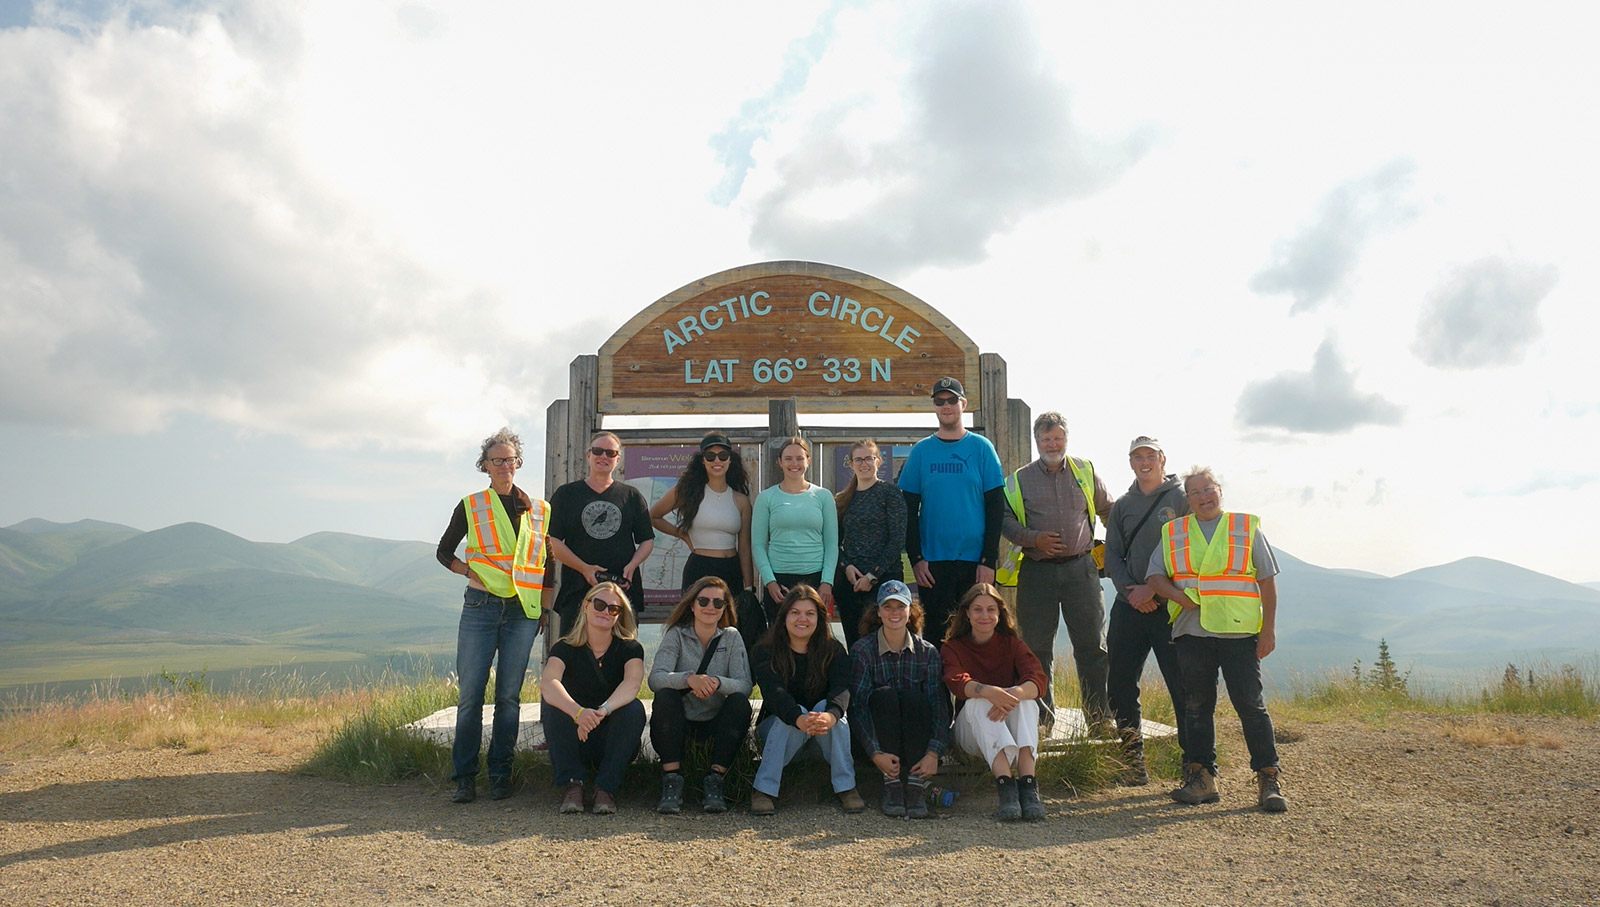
598	525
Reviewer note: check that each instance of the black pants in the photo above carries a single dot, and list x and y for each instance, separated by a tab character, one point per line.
1200	658
770	608
609	749
1132	637
699	566
903	724
670	727
951	580
851	604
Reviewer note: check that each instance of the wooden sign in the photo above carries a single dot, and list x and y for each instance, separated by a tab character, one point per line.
836	339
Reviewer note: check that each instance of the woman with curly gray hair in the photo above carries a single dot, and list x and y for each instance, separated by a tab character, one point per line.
505	532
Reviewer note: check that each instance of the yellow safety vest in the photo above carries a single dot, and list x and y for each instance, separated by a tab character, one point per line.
1011	561
1219	575
507	563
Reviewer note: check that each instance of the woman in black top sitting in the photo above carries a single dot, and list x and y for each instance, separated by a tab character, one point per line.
804	676
589	695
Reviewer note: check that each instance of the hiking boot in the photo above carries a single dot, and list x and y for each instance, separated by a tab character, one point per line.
1199	786
713	801
1270	798
851	801
894	797
1134	772
572	800
604	803
1028	796
762	804
466	791
1010	805
917	798
671	794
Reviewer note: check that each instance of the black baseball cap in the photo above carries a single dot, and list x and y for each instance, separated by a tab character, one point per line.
715	439
948	385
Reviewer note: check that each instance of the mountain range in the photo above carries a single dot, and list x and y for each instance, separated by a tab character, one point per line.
91	600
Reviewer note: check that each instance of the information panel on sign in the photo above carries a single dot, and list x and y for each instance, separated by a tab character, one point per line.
838	339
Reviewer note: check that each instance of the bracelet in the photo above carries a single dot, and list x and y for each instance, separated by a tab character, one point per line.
579	715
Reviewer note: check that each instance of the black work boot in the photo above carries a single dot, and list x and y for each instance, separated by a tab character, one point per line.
894	797
671	794
1028	796
1010	805
917	798
714	800
466	790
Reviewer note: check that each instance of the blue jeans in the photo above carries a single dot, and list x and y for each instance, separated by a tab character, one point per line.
781	742
1200	658
490	625
609	749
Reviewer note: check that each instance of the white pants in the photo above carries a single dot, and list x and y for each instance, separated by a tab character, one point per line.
981	737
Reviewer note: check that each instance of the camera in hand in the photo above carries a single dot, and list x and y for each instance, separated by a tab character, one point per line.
606	576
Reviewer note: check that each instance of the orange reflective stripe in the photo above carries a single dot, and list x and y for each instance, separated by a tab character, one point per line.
1238	542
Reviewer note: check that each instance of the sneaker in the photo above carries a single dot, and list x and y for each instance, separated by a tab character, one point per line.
917	798
671	794
894	797
851	801
604	803
1028	797
1271	798
1010	806
714	801
1199	786
762	804
466	791
572	800
499	788
1134	772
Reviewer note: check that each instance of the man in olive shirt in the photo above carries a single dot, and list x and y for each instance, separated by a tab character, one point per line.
1058	579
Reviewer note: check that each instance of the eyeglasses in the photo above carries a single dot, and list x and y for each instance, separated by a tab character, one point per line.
705	602
1198	492
716	455
600	607
945	401
860	460
505	461
605	452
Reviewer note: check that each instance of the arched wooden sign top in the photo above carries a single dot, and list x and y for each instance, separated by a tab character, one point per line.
839	340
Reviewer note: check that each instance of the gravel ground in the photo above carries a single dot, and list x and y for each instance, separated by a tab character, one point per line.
1407	814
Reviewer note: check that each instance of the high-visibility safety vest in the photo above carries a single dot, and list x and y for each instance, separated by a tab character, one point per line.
507	563
1219	575
1011	561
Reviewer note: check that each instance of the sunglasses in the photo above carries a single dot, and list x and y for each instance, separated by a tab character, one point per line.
605	452
711	455
599	607
717	603
945	401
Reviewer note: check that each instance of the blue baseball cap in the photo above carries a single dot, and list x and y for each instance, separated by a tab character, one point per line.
894	589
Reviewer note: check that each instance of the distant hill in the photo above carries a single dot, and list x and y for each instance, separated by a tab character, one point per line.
1485	575
94	599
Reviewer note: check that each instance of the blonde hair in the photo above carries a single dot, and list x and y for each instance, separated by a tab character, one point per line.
625	627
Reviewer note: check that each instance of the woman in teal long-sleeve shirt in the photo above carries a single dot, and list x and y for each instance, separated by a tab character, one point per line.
794	531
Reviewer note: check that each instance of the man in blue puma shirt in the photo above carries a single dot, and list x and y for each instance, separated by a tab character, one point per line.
955	492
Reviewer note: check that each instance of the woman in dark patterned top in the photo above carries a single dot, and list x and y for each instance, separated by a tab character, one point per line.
872	536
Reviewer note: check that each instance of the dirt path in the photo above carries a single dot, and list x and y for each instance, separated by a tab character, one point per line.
1411	815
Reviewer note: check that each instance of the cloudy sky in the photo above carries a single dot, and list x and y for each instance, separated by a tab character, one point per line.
278	265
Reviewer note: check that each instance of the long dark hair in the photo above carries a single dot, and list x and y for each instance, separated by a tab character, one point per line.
683	613
843	498
821	648
690	491
961	624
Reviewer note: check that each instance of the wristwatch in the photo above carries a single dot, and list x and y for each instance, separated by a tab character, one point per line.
604	710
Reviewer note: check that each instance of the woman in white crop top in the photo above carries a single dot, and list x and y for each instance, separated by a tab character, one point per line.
710	510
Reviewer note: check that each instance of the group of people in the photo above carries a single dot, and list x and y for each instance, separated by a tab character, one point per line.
1194	586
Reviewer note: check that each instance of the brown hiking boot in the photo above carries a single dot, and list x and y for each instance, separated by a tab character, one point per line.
1134	773
1199	786
851	801
762	804
1271	798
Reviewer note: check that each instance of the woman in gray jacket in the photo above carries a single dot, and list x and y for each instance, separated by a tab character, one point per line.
701	678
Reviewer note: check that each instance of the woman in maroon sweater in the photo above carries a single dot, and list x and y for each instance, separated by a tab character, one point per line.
997	681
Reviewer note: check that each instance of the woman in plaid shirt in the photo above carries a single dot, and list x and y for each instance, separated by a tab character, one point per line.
898	706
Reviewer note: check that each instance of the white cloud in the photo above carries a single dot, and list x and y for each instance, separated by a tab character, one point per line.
1322	401
1483	314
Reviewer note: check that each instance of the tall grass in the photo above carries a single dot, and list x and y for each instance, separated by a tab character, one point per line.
1538	689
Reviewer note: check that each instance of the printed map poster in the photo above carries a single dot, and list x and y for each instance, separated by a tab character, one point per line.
654	471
